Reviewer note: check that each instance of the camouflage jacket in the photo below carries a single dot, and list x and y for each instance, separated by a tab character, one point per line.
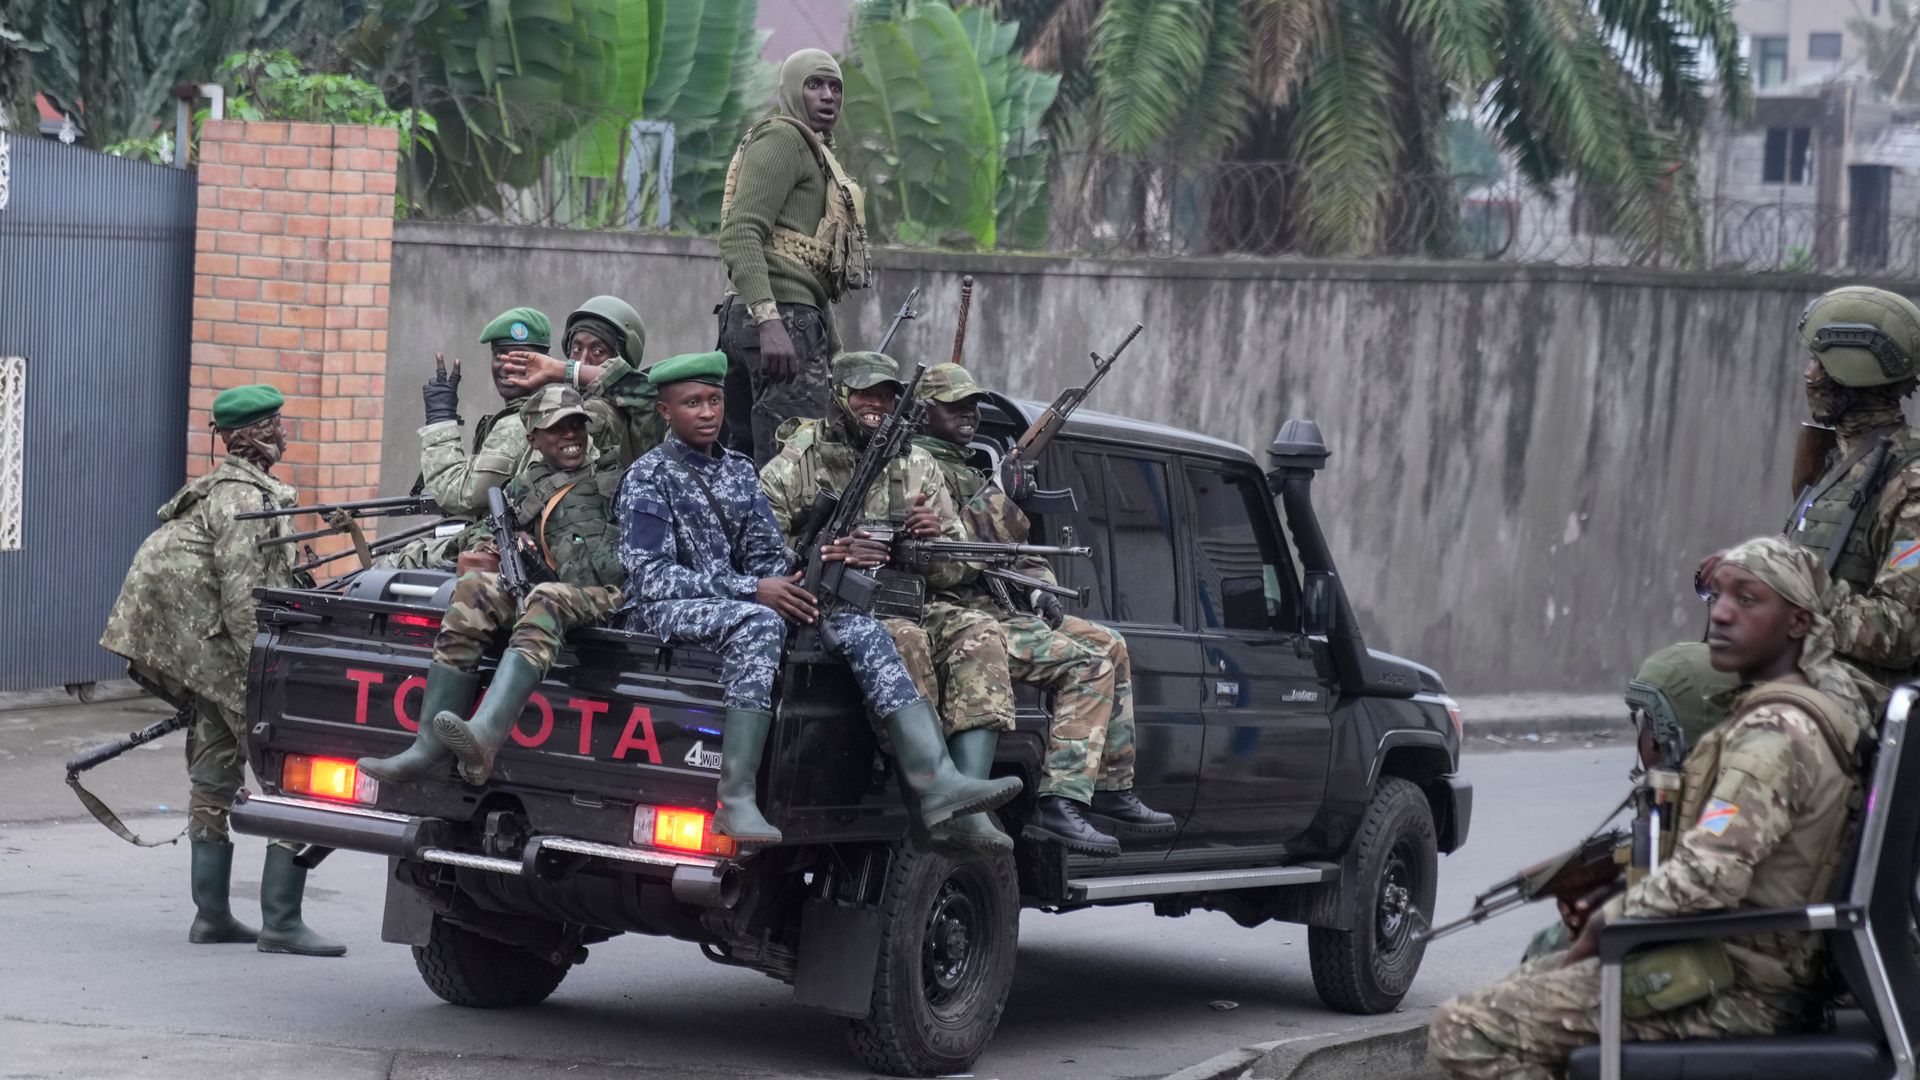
186	610
1878	626
576	532
1769	803
459	480
814	455
696	526
987	513
621	403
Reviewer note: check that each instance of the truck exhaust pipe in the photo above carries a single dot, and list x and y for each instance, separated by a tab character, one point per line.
707	886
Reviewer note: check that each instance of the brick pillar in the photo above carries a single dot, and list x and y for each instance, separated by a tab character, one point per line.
293	255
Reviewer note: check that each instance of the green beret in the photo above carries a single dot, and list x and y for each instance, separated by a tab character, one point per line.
949	384
551	404
860	370
520	326
243	405
701	367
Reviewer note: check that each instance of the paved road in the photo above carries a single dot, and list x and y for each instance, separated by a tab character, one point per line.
96	977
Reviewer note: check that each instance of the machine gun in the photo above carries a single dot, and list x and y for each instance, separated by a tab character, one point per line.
345	517
833	516
105	752
906	312
1568	876
514	575
381	546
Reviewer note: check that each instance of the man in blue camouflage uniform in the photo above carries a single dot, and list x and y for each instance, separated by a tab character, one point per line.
564	499
706	565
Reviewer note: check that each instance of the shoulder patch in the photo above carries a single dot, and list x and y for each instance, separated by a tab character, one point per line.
1905	554
1718	816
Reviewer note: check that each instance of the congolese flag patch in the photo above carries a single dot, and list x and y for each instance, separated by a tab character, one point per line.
1718	816
1906	555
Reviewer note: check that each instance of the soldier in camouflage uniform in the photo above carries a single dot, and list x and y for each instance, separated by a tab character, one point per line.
564	499
604	341
1089	761
956	654
707	566
793	238
1769	794
185	623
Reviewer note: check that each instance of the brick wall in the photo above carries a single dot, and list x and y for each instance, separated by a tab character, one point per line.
294	248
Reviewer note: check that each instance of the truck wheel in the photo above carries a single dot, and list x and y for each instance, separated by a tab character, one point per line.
1369	968
481	973
948	934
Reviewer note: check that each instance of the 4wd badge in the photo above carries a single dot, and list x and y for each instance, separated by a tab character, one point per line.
702	758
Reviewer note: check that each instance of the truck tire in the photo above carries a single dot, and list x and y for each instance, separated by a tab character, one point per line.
1369	968
948	934
480	973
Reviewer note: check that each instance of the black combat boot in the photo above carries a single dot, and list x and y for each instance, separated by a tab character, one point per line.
282	883
741	747
213	921
475	742
928	773
1131	817
1056	818
972	834
448	690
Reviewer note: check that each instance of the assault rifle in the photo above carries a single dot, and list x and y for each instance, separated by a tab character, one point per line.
906	312
105	752
381	546
355	512
833	516
1048	424
1568	876
996	560
514	576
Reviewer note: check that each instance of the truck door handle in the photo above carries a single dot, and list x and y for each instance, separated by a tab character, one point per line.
1226	693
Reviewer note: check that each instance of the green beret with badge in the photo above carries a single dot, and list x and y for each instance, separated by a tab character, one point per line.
860	370
243	405
551	404
708	368
519	326
949	384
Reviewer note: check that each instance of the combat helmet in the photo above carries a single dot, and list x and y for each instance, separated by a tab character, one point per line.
621	315
1863	336
1676	690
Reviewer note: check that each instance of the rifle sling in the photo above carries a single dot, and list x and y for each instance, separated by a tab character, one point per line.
104	815
731	529
540	535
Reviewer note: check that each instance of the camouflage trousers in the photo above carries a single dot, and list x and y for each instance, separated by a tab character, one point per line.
216	767
756	404
958	658
749	637
1090	741
482	612
1529	1023
430	552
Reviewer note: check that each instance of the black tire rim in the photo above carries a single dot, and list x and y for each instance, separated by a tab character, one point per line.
1396	908
958	941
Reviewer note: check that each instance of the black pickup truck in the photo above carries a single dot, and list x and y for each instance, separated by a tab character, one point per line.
1314	780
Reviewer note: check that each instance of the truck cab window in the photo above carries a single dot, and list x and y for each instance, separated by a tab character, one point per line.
1140	524
1238	560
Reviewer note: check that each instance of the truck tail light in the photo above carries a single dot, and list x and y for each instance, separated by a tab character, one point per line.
327	778
679	829
421	622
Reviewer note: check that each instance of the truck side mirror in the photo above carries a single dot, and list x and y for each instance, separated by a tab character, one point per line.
1319	602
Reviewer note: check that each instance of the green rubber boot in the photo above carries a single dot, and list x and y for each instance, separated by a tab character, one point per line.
928	773
741	747
283	930
475	742
973	834
448	690
213	921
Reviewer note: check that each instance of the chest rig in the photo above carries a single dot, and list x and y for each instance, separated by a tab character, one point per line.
1834	516
570	515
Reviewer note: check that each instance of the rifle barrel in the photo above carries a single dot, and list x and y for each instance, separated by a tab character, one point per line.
391	505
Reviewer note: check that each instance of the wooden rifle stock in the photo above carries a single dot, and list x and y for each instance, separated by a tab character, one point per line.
966	305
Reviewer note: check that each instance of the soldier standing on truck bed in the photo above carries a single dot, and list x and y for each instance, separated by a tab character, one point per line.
185	622
956	654
564	496
1089	762
1766	799
706	565
793	237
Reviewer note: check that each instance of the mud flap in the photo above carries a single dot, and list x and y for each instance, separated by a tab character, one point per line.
839	954
408	918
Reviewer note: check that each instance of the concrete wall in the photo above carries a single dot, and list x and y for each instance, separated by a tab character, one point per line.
1528	462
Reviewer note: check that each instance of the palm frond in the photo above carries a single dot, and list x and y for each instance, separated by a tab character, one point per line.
1146	57
1345	145
1217	108
1283	34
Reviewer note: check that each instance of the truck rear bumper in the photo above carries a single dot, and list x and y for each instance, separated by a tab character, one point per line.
696	879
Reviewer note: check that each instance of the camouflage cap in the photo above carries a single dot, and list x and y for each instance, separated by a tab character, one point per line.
1676	688
860	370
239	406
949	384
519	326
550	405
1863	336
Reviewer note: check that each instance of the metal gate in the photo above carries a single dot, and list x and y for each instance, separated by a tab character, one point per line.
96	303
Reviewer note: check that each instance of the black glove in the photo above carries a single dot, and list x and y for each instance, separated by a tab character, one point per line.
442	393
1047	606
1016	479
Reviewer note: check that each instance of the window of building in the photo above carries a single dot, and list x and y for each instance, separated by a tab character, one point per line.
1789	156
1770	60
1823	46
1239	562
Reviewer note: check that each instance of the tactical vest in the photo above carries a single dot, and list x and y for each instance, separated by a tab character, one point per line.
798	437
572	516
837	252
1817	528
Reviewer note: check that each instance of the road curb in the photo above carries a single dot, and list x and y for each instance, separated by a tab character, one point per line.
1392	1048
55	697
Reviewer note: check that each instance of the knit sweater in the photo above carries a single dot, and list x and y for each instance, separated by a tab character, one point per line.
780	184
